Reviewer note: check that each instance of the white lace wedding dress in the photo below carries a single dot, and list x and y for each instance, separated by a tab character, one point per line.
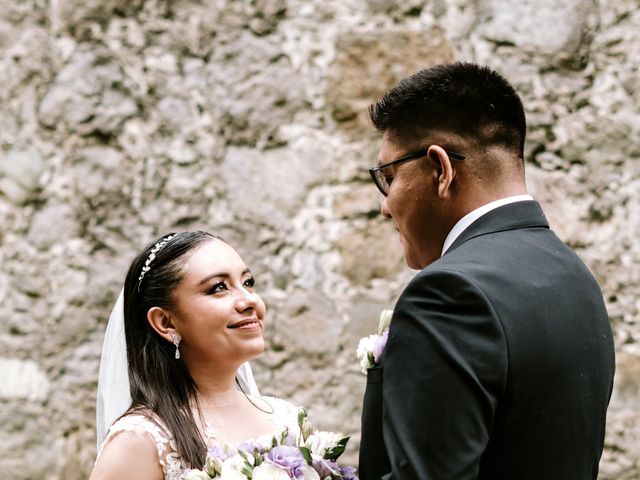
284	415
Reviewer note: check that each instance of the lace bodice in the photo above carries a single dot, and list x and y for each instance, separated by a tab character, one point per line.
285	415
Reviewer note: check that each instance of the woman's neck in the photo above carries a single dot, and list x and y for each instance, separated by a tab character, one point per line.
216	388
210	400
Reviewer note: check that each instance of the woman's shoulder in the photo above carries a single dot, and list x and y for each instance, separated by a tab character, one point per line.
134	443
139	427
140	421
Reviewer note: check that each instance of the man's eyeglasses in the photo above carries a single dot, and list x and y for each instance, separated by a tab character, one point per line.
383	182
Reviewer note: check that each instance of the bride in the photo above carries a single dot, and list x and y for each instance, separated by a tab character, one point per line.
191	322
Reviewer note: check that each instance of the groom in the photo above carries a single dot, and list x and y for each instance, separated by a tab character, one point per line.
500	360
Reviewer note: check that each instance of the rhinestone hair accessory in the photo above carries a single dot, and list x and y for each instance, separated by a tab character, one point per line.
152	255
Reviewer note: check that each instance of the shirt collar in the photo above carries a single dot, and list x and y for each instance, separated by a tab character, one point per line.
472	216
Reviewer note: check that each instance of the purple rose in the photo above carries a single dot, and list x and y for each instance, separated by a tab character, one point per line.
381	341
217	452
349	473
289	459
325	468
249	447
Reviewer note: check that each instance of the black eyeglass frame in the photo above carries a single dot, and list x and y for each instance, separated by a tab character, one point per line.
375	171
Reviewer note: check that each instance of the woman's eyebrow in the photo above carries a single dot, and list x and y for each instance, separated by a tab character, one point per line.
221	274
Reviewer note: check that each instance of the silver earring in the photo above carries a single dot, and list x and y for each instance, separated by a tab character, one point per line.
176	342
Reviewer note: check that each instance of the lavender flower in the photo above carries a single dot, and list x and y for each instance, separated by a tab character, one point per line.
216	456
370	348
251	446
289	459
348	473
380	343
218	452
325	468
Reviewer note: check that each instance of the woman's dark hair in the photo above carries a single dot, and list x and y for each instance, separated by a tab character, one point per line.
158	382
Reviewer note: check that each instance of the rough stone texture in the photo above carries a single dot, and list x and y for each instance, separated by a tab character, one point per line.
529	26
20	172
369	62
122	120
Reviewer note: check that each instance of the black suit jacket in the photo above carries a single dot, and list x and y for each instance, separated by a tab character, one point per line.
499	363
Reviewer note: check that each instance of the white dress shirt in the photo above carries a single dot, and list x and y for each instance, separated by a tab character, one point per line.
472	216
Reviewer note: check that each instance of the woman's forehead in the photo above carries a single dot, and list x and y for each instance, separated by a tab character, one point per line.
214	256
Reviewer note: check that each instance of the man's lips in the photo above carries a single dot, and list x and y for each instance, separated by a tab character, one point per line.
248	323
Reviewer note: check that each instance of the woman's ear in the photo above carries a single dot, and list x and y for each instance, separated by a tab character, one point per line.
160	321
445	171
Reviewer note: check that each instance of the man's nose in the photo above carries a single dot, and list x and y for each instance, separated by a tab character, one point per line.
383	208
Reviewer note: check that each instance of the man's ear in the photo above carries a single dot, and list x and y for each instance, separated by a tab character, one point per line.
445	171
160	321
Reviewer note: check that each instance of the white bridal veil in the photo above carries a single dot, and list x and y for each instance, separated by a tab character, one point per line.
113	381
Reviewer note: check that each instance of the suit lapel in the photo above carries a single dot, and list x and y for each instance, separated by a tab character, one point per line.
513	216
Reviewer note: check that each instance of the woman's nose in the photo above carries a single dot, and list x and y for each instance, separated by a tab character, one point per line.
246	300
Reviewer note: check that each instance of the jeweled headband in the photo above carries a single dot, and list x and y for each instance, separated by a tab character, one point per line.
152	255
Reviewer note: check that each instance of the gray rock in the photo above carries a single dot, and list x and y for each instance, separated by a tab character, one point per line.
122	120
23	379
55	223
19	174
274	181
360	251
309	325
530	26
98	171
89	95
71	14
250	77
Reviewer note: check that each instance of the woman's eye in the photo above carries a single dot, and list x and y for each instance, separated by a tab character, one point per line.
249	282
218	287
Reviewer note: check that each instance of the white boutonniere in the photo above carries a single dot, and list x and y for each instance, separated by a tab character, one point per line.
370	348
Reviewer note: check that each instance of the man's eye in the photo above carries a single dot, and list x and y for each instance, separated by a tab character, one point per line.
388	179
249	282
218	287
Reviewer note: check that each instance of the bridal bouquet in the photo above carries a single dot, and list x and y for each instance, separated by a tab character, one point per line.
311	455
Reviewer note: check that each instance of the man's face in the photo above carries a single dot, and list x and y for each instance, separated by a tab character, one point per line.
413	204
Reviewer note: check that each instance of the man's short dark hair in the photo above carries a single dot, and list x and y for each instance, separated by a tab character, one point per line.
463	98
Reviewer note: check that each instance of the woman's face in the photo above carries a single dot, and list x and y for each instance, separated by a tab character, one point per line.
216	312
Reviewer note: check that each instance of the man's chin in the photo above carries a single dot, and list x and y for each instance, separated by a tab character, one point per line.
415	266
416	262
410	259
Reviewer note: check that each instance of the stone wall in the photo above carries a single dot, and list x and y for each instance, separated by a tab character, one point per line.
124	119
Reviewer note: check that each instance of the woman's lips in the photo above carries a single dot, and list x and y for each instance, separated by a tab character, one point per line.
246	324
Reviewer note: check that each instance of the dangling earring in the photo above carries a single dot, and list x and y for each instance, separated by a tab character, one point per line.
176	342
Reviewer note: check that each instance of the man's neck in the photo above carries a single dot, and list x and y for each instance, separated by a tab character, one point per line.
476	213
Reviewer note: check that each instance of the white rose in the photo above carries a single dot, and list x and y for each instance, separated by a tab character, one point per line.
364	351
385	320
264	442
232	468
310	474
213	465
196	475
319	442
269	471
